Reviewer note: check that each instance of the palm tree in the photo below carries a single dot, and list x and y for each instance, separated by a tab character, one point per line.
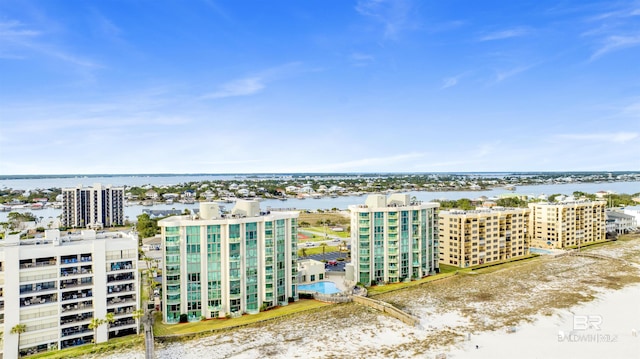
94	325
109	318
19	329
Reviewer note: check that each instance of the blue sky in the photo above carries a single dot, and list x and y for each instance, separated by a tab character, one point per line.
318	86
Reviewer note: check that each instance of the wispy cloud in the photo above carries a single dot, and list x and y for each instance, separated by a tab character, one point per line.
505	34
253	84
452	81
17	37
505	74
628	10
618	137
359	59
614	43
394	15
241	87
13	30
615	29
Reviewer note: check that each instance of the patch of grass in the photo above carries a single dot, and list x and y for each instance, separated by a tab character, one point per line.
319	231
379	289
318	250
333	217
445	268
590	244
112	346
160	329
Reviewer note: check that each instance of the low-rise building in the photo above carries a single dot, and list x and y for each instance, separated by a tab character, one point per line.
633	211
470	238
55	286
310	271
619	222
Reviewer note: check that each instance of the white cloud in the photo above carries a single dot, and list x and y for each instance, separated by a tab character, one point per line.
14	30
241	87
619	137
505	74
16	37
253	84
505	34
452	81
360	59
394	15
614	43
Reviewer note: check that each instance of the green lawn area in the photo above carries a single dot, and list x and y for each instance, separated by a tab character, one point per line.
110	347
318	250
590	244
445	268
379	289
320	232
161	329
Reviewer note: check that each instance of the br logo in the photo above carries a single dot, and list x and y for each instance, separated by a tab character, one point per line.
585	322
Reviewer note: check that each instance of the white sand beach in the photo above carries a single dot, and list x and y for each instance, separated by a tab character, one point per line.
614	317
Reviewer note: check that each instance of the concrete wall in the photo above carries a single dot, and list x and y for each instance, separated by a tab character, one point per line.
387	308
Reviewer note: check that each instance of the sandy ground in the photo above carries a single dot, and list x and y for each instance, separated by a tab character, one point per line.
539	300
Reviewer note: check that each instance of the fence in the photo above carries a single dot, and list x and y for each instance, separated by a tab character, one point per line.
389	309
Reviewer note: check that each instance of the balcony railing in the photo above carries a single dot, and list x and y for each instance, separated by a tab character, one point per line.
71	332
37	300
37	264
81	306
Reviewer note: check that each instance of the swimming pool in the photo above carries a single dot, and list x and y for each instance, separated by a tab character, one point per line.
320	287
540	251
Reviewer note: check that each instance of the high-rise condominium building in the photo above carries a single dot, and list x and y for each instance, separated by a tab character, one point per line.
393	239
565	224
56	285
93	207
224	264
469	238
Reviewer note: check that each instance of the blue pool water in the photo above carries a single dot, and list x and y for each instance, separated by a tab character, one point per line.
320	287
540	251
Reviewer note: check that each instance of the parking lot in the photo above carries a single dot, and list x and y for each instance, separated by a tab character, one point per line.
339	267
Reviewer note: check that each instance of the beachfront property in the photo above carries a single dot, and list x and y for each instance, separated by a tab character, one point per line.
55	286
93	207
393	239
618	222
220	264
633	211
470	238
564	224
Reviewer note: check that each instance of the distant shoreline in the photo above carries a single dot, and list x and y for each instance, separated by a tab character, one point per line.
317	174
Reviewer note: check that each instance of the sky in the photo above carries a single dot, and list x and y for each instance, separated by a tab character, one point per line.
119	87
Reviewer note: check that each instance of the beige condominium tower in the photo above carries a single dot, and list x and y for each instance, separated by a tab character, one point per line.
566	224
470	238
